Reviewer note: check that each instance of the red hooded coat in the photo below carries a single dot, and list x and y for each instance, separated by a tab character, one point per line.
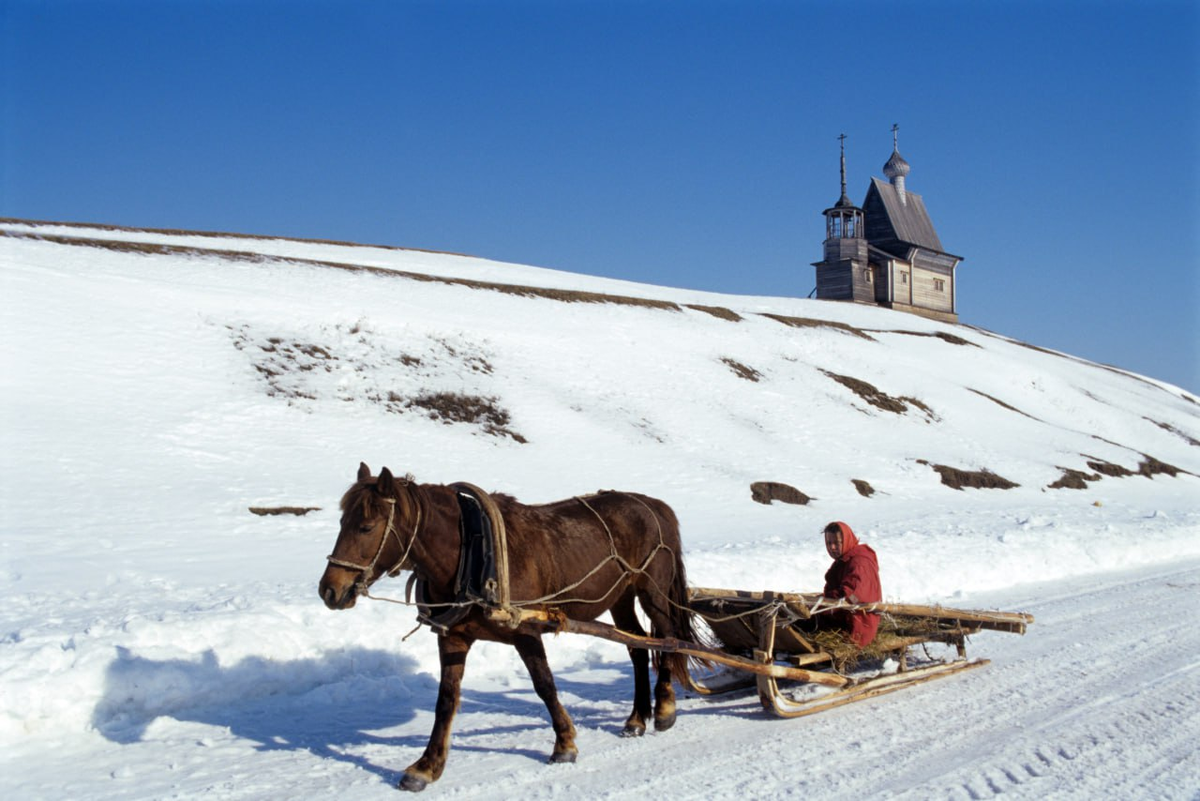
855	573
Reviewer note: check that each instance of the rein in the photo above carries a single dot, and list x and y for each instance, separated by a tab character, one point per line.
366	571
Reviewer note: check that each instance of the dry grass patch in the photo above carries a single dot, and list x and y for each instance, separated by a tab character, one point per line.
298	370
218	235
958	479
143	248
1190	440
1073	479
1151	467
146	249
879	399
1003	405
767	491
283	510
809	322
1148	467
1108	468
456	407
717	311
942	335
741	370
864	489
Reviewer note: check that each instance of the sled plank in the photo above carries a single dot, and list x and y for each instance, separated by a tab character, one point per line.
804	603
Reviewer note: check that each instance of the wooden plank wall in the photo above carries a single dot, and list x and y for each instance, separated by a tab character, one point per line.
925	293
845	280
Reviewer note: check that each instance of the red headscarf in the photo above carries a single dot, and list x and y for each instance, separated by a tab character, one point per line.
848	539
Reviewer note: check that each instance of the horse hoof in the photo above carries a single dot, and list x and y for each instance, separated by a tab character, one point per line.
662	724
412	783
563	757
631	730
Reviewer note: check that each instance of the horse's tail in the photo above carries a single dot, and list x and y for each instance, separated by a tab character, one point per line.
680	612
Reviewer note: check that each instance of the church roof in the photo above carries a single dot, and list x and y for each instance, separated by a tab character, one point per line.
907	219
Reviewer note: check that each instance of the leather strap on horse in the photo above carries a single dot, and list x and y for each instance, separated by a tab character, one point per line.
499	540
482	577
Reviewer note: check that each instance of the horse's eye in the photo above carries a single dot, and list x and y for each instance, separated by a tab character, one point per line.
365	528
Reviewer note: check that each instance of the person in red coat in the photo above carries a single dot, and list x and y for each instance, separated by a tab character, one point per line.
853	576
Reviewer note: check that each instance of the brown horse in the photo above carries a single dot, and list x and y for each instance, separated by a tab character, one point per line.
582	557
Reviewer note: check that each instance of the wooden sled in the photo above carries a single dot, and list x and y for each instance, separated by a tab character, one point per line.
762	642
770	629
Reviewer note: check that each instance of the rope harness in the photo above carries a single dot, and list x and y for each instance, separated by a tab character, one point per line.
363	582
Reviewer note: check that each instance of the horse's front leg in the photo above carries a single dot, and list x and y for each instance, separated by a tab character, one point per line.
529	646
452	648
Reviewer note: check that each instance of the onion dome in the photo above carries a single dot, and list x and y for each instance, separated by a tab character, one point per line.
896	167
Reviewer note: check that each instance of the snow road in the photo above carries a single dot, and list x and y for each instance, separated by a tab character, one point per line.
1098	699
1109	668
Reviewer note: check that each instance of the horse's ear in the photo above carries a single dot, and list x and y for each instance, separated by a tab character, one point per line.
386	483
364	472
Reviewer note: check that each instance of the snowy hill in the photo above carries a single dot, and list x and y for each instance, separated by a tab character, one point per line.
159	384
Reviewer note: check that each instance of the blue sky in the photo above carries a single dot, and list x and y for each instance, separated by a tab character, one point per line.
692	144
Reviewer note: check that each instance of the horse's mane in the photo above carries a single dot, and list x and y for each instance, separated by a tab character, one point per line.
362	495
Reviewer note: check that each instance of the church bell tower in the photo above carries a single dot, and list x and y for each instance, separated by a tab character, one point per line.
844	274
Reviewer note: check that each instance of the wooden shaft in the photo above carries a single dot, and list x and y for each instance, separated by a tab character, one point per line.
673	645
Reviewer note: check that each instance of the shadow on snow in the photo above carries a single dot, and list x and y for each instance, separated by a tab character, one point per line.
331	706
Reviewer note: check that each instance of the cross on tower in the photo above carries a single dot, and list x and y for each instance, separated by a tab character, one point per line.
895	138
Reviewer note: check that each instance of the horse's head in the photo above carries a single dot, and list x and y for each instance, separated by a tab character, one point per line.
374	512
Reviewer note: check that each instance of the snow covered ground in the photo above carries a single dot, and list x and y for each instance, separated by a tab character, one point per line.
157	640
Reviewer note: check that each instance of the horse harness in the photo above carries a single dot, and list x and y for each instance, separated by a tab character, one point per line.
482	576
365	571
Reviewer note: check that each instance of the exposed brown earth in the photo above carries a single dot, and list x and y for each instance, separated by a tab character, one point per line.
808	322
958	479
741	370
1073	479
768	491
717	311
864	489
456	407
879	399
283	510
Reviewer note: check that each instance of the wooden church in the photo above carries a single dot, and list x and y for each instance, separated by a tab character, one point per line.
887	252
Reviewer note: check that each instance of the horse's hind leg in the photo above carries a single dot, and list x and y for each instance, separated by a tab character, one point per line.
529	646
625	617
452	649
664	691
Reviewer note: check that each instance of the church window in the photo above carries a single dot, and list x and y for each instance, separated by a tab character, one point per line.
939	285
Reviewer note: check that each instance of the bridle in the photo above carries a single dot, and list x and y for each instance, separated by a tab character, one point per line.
367	570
